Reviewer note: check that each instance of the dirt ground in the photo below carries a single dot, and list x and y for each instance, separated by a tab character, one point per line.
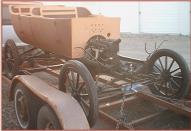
131	46
8	114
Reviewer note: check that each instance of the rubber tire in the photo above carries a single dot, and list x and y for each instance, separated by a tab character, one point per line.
30	106
81	69
45	115
11	44
183	65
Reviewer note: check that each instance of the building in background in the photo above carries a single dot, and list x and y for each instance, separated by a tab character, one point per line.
144	17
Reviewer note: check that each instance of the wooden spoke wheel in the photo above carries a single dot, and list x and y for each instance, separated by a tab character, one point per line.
76	79
172	74
12	59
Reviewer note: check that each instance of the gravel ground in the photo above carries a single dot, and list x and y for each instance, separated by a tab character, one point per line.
134	45
8	114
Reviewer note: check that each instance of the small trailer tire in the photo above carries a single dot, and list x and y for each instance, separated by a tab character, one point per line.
23	110
47	119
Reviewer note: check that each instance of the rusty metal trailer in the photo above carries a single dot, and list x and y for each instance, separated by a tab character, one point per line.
110	99
80	50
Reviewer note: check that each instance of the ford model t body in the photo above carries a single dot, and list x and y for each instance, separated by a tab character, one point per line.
91	44
61	29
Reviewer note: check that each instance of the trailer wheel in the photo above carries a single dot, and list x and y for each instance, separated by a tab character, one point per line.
12	59
172	74
76	79
22	107
47	120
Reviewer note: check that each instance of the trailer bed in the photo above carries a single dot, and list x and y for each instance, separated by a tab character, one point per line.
143	110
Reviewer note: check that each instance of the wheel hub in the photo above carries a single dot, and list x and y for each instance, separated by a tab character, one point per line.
49	126
23	108
165	75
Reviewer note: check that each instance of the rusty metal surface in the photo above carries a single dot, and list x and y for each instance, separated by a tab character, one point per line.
181	109
67	109
107	121
108	107
53	28
110	101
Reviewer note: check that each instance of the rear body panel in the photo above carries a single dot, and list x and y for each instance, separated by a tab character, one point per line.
54	32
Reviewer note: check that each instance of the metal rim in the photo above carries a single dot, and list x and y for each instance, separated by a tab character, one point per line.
169	76
49	125
76	86
21	108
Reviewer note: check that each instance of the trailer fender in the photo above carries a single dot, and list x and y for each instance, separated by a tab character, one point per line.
67	109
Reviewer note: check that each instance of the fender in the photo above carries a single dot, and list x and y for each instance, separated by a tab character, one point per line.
68	110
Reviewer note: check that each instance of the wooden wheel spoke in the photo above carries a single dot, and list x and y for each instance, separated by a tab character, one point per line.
175	83
171	87
171	65
161	64
84	106
70	82
9	53
162	83
166	87
73	79
80	87
177	77
157	68
175	70
156	74
10	60
166	62
77	81
10	56
84	94
159	84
